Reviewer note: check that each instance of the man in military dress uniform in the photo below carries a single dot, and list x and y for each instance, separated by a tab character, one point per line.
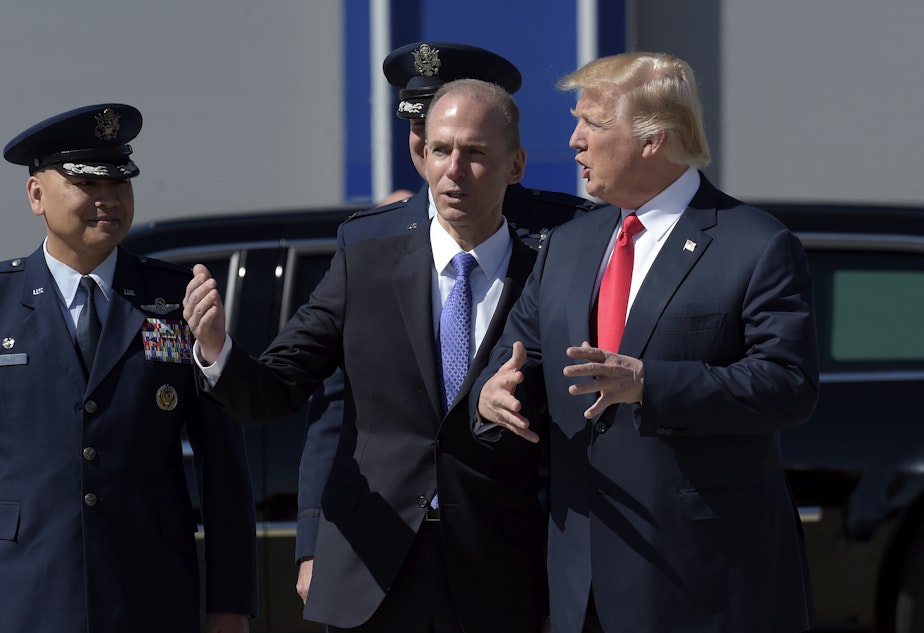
97	529
418	70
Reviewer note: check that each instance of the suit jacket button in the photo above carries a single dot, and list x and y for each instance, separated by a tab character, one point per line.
600	427
90	406
422	502
90	499
441	444
89	453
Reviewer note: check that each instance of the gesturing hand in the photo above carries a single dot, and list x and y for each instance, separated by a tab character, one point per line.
203	310
497	401
617	378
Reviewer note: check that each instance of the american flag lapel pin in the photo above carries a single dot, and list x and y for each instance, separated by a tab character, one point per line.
689	246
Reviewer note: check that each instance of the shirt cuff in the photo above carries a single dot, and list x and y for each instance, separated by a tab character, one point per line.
212	372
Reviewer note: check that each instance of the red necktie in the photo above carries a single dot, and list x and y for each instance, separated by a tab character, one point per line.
613	299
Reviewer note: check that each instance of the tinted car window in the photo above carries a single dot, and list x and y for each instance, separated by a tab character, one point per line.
869	305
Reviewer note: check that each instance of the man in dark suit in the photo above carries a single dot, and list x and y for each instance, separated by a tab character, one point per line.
670	510
429	524
97	530
418	70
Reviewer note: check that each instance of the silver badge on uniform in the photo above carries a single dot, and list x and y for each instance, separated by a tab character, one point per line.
160	306
166	398
8	343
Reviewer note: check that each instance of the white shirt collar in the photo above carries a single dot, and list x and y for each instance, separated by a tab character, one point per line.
431	205
67	279
660	213
490	254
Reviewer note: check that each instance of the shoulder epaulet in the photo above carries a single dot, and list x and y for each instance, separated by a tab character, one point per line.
13	265
561	198
160	264
400	204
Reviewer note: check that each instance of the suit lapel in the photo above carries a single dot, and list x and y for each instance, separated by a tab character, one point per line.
595	240
44	320
412	283
521	265
123	321
683	248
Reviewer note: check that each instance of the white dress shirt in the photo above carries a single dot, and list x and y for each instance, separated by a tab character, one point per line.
67	281
659	216
487	279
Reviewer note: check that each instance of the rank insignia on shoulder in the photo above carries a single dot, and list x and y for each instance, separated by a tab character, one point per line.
160	306
167	341
166	398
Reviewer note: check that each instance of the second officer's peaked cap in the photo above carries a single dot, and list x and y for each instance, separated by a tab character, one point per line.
89	142
419	69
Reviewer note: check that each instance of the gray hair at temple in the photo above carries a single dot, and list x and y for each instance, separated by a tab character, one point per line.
489	93
657	92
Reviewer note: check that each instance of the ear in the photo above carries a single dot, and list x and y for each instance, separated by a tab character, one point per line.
518	167
654	144
36	192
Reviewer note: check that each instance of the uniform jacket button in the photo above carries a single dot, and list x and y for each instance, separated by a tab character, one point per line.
89	453
90	499
600	427
90	406
422	502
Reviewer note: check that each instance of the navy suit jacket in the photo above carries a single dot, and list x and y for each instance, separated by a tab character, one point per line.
97	530
372	316
676	511
530	213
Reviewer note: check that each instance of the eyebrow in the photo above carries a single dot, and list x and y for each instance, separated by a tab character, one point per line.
437	144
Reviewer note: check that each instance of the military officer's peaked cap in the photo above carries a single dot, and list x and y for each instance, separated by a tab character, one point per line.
89	142
420	69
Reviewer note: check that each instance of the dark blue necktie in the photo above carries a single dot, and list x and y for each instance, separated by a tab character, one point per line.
456	329
88	325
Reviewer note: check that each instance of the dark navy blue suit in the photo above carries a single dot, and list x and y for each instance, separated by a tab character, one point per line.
97	530
531	213
397	446
676	511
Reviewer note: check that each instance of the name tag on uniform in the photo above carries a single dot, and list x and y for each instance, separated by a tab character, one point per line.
13	359
167	341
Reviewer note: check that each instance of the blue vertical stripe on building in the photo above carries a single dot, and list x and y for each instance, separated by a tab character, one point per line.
356	99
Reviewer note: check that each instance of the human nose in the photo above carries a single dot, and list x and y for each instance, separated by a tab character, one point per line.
107	197
577	138
456	168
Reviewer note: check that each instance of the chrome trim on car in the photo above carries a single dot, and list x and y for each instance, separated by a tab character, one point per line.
873	376
869	242
296	249
810	514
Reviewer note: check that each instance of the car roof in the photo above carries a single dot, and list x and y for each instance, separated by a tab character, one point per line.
232	228
847	218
